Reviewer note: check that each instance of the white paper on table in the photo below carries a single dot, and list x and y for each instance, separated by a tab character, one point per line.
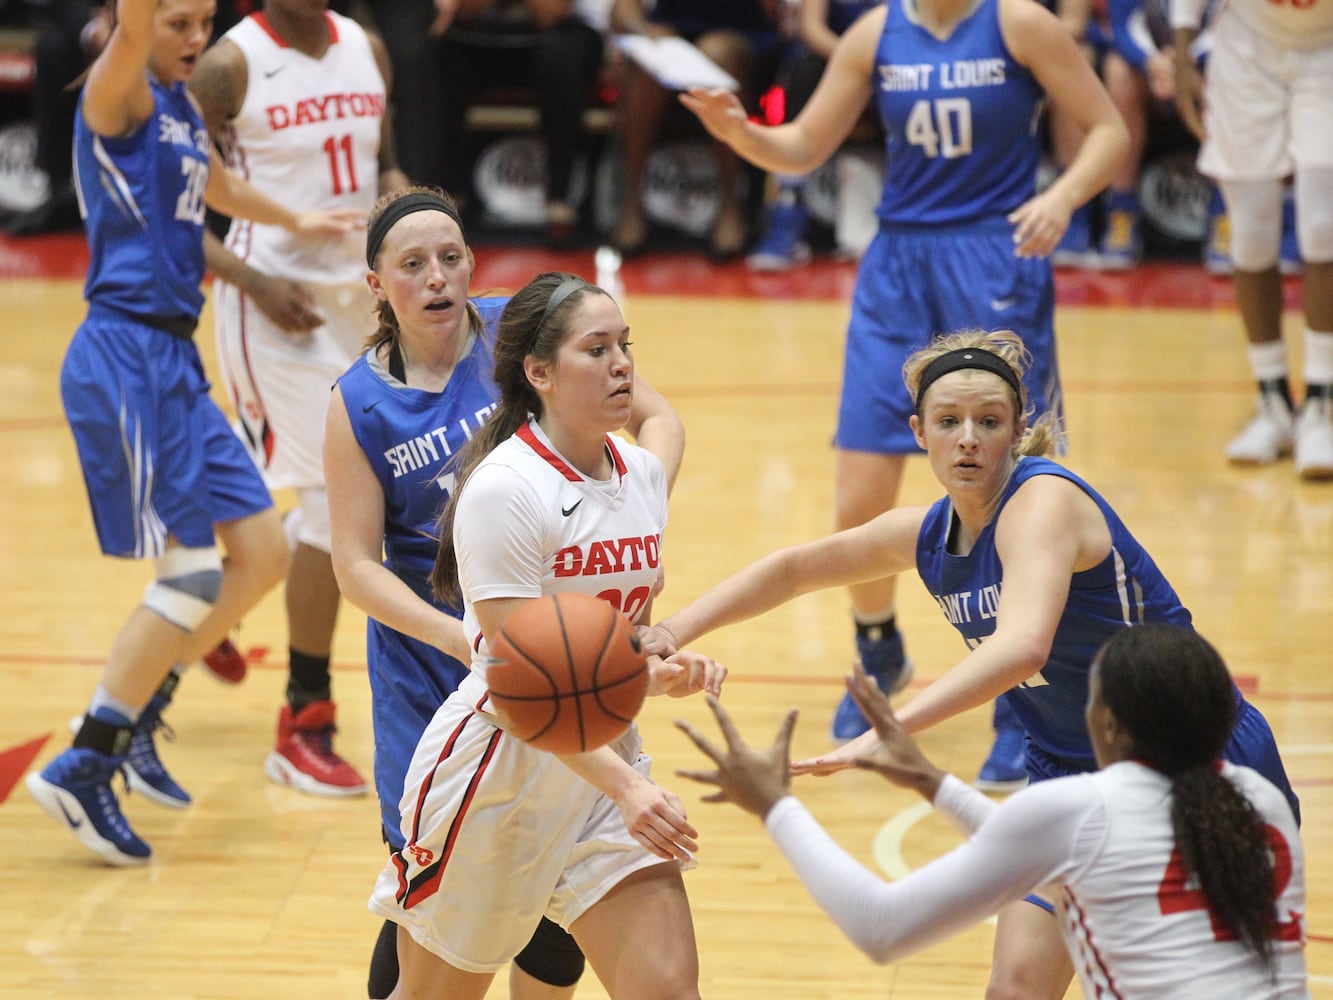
675	63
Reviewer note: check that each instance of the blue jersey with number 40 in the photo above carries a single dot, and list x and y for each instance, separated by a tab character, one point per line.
960	116
142	197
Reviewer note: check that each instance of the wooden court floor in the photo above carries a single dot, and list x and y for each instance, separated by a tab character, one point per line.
257	891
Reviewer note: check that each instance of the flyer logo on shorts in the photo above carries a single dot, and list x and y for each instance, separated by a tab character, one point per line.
421	855
22	185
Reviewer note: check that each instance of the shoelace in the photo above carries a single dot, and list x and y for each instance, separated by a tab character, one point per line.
143	751
319	741
107	805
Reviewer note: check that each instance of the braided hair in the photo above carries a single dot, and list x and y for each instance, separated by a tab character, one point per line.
1169	689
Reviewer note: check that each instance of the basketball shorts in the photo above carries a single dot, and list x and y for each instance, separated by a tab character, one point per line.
1251	745
497	835
1269	108
158	456
279	383
917	282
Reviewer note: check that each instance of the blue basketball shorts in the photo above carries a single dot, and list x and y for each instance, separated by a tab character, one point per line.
159	459
918	282
1251	745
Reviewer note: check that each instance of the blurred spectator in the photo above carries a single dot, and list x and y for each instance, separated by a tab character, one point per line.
73	33
551	47
1139	70
818	26
411	30
741	36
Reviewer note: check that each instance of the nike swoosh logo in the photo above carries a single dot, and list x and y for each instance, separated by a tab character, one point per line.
269	74
1000	305
370	406
74	824
569	510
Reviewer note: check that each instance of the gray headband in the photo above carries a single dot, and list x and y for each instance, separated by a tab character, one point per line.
564	290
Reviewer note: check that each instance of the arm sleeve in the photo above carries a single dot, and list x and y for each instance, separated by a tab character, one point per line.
962	805
1129	34
1029	840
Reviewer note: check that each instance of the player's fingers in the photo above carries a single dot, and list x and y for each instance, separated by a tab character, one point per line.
783	741
674	822
714	675
650	842
724	723
699	740
703	777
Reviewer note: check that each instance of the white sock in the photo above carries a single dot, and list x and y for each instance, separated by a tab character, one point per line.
1318	358
1268	360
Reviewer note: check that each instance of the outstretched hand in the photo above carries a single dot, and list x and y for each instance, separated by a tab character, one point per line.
720	111
753	779
895	755
330	221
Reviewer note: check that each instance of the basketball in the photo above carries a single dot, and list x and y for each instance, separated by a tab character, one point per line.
566	673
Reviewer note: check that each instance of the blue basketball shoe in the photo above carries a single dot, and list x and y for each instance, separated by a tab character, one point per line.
143	769
75	789
144	772
886	661
1005	769
783	244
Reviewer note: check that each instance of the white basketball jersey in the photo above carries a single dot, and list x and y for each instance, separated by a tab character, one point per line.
307	136
529	524
1302	26
1136	927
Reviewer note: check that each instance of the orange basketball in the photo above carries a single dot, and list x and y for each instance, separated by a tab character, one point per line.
566	673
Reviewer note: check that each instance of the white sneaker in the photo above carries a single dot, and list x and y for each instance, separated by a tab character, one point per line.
1268	435
1314	439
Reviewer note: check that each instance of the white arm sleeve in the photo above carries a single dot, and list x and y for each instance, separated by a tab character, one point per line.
1030	839
962	805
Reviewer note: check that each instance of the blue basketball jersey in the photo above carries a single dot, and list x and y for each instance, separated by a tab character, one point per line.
408	436
1126	589
960	119
142	199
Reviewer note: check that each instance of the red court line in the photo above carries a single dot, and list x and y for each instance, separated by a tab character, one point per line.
258	659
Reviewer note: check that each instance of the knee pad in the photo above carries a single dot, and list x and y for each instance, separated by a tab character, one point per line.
1314	214
552	956
187	585
1254	210
384	963
314	530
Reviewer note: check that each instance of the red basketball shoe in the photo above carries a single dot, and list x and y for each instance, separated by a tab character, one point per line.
304	757
226	663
